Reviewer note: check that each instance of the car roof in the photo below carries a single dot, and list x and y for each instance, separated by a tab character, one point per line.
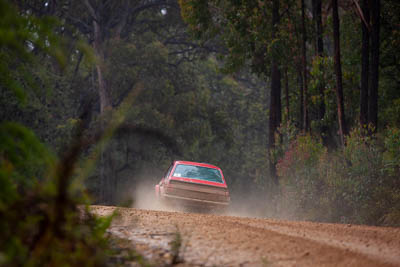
196	164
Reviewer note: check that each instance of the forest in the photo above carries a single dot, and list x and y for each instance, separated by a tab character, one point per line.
298	102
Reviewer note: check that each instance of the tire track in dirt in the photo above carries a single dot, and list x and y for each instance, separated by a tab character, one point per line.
212	240
374	242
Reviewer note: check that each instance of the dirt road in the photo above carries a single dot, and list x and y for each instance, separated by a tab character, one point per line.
213	240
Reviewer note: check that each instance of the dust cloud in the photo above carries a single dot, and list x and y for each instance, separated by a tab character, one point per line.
251	204
144	197
256	203
246	205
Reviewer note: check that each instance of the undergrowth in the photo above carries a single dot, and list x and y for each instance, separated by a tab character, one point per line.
357	183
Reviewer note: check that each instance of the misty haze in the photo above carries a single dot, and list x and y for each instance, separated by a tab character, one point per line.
200	133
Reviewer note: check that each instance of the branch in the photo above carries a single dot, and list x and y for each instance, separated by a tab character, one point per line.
135	12
79	22
361	14
122	22
150	5
77	65
92	12
123	95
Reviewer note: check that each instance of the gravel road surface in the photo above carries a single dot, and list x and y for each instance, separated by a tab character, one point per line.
215	240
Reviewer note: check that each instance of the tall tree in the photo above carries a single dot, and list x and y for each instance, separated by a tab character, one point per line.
287	98
306	125
105	22
98	39
364	64
250	37
275	107
301	89
319	50
338	72
373	90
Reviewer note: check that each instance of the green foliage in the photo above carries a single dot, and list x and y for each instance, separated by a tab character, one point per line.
322	76
39	228
287	134
301	182
210	116
20	37
243	28
41	222
355	184
176	246
391	155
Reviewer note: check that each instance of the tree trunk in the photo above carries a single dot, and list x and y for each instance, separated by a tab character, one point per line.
275	98
98	49
373	92
287	94
300	80
338	72
103	94
319	51
104	105
306	126
97	46
364	66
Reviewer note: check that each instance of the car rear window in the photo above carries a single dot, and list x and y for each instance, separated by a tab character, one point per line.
197	172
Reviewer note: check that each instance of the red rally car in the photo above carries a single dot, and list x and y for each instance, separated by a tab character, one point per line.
194	184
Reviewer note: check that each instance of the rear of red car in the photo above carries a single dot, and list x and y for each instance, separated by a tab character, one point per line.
194	184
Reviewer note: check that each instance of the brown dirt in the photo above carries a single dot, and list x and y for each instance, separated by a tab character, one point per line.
213	240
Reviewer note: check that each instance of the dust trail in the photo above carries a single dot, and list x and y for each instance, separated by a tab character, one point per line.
244	204
245	208
252	203
145	198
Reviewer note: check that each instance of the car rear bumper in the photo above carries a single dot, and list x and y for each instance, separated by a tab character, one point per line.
193	201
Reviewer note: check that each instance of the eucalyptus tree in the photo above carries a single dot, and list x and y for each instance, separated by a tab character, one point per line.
105	22
375	6
365	26
251	32
319	49
338	72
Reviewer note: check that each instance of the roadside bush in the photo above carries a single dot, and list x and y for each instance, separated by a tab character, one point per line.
300	180
40	222
358	183
357	177
391	191
39	216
